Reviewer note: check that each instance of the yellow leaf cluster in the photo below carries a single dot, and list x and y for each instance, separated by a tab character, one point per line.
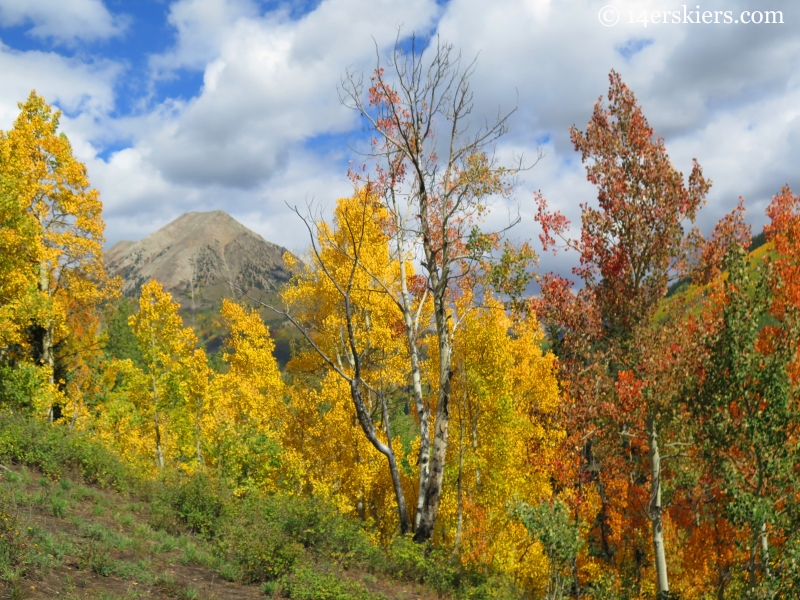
247	412
502	440
504	396
338	460
51	265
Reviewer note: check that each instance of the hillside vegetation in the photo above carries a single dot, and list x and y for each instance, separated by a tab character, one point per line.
76	523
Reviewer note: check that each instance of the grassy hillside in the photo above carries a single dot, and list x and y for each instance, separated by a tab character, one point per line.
76	523
684	292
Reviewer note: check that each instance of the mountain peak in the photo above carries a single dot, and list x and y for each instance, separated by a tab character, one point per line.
195	255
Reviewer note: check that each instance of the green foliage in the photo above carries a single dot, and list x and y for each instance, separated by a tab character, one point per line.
267	537
197	502
431	565
13	543
260	550
54	449
120	341
422	563
20	386
551	524
747	410
305	583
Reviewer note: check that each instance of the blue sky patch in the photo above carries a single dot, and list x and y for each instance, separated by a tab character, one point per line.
632	47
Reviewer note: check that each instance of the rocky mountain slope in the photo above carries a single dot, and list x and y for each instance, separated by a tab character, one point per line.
195	256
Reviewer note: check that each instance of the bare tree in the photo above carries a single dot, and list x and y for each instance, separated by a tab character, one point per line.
436	175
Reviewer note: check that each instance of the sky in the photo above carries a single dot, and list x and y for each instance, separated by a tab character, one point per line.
233	104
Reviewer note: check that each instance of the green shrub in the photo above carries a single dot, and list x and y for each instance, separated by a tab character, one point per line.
194	501
307	584
198	503
432	566
21	385
260	550
408	560
94	556
319	527
422	563
487	587
13	542
52	449
23	440
270	588
96	464
58	506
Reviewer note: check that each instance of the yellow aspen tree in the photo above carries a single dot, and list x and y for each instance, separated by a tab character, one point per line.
437	184
52	187
19	249
122	420
504	395
165	346
197	390
248	414
356	350
82	358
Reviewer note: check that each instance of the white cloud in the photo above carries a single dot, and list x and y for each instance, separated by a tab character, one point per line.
725	95
62	20
201	27
271	86
70	84
246	141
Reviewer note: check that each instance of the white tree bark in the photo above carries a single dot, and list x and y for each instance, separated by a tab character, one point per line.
659	552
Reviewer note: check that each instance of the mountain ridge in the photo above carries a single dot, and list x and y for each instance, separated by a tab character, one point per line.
195	256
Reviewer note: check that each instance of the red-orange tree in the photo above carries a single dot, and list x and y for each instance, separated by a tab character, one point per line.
630	246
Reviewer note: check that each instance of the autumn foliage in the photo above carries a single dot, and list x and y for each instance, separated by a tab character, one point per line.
611	439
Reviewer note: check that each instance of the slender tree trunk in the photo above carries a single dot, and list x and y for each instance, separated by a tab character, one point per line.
765	550
751	565
49	360
656	510
423	414
759	540
434	492
722	583
368	428
47	356
460	520
198	430
159	450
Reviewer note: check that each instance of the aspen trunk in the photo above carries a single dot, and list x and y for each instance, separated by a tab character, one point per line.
765	549
759	540
423	414
159	450
47	357
198	432
49	360
659	551
460	519
751	565
369	430
434	492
